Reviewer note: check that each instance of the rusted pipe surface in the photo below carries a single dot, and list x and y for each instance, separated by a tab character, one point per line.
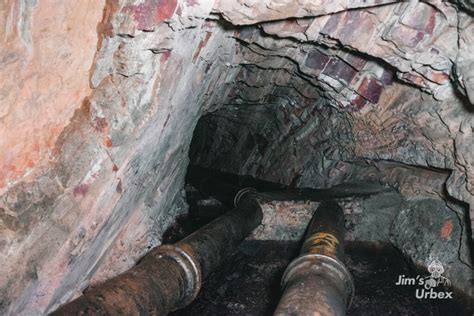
169	277
317	282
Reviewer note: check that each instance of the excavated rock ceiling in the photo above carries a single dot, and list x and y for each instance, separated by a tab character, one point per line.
305	93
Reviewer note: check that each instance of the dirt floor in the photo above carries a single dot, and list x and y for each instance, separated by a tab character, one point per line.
248	283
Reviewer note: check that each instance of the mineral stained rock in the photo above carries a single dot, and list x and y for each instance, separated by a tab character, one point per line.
99	101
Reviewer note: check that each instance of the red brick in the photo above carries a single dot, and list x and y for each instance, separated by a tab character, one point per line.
353	20
355	27
332	23
371	89
316	60
386	77
355	61
339	69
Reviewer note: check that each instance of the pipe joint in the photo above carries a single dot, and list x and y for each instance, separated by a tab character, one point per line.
190	267
318	282
332	270
243	193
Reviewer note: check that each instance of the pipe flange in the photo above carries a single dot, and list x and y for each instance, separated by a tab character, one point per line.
191	269
238	197
336	267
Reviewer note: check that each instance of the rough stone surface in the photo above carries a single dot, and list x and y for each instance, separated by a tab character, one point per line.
425	230
370	219
47	49
284	221
114	179
243	12
99	100
373	124
421	40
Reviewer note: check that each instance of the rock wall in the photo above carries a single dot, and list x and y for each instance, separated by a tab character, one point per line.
100	100
110	183
47	50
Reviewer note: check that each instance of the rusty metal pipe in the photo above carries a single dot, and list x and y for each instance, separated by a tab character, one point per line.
169	277
317	281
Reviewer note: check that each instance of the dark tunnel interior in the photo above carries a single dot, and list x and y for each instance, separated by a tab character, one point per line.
230	144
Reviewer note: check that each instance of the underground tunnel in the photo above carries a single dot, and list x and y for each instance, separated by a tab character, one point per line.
236	157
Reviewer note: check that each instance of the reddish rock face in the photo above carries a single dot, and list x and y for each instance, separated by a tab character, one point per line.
150	13
47	51
447	229
78	86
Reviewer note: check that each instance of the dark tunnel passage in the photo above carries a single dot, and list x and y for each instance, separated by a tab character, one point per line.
292	125
243	140
293	120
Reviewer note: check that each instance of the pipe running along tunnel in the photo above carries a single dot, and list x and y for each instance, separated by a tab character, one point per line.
170	277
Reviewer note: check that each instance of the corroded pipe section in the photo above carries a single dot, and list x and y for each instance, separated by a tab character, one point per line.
169	277
317	282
